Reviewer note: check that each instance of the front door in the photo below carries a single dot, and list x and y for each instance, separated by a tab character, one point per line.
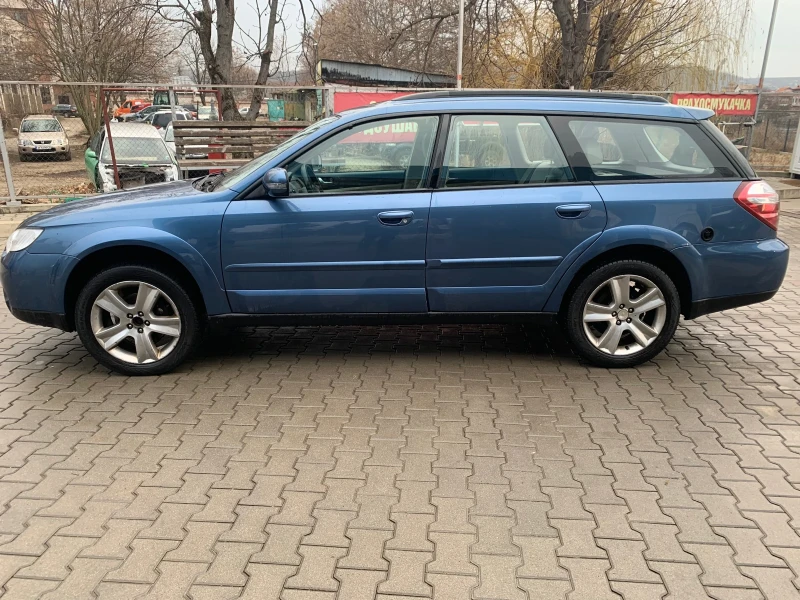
508	217
350	238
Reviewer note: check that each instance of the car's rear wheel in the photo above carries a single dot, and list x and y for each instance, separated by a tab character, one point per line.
622	314
137	320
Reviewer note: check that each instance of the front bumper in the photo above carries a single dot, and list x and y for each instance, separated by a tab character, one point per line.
39	151
33	287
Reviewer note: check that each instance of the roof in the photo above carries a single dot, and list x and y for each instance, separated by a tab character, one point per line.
543	101
362	74
453	94
138	130
168	111
39	117
15	4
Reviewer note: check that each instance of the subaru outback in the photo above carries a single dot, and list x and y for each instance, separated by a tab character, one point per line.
611	214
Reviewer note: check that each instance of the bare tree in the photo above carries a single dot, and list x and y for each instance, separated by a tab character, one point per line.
95	40
190	57
543	43
214	24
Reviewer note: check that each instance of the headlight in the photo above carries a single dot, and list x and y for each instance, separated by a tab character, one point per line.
59	142
26	143
22	238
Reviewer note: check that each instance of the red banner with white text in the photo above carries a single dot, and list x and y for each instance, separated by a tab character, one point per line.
347	100
721	104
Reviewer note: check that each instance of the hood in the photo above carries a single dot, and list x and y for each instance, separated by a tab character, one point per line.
42	135
94	207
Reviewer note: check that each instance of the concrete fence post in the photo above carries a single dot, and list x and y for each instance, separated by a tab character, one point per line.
7	167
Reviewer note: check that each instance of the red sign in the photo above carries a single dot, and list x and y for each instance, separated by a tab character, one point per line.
722	104
393	133
347	100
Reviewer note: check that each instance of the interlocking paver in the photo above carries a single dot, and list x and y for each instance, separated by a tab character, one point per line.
453	462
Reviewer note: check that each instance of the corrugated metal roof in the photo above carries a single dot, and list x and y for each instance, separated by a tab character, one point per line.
360	74
15	4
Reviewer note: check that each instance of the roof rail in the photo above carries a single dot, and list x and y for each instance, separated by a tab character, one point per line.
533	94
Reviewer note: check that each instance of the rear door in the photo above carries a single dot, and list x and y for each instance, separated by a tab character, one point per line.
507	218
656	173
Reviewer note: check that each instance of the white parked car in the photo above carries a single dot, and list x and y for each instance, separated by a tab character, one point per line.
161	119
169	139
207	113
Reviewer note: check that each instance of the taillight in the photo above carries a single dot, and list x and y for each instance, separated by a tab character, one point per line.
760	200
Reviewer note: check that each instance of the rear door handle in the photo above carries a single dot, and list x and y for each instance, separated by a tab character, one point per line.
396	217
573	211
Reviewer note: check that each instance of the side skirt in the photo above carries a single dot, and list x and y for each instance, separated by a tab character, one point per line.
244	320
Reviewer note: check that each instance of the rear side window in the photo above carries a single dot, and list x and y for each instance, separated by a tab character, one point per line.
502	150
624	149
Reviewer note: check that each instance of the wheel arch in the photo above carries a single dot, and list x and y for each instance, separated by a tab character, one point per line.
655	255
105	257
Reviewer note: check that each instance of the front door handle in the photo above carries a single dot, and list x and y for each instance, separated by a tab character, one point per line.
573	211
396	217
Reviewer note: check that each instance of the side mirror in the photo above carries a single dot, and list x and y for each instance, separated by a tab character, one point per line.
91	153
276	182
15	130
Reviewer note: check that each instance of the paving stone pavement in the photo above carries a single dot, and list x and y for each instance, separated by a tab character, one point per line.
475	462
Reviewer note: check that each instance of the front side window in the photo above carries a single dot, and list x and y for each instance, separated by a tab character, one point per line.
636	149
379	156
502	150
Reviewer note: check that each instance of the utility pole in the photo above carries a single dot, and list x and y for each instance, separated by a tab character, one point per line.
760	88
461	42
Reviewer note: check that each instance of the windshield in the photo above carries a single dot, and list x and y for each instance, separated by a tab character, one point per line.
138	150
243	172
40	125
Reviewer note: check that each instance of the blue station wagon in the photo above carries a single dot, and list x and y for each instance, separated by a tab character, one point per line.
612	214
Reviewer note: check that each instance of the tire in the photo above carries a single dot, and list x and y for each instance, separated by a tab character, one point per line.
68	155
598	334
126	334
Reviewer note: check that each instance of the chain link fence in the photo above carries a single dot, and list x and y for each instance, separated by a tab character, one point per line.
67	141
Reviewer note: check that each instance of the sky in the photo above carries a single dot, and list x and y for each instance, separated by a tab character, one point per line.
784	56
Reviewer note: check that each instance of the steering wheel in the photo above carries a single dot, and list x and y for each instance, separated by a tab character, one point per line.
303	180
297	185
310	179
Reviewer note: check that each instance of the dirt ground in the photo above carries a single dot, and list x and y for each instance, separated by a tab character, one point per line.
53	175
770	159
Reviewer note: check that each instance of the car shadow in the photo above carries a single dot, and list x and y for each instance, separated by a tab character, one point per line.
353	340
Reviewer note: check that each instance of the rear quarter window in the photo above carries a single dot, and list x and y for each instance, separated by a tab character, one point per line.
638	149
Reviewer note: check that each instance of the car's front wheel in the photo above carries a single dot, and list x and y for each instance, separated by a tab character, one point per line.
137	320
622	314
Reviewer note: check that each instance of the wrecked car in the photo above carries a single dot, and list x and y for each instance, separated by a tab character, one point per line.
141	155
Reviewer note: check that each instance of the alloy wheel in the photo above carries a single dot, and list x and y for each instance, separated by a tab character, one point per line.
624	315
135	322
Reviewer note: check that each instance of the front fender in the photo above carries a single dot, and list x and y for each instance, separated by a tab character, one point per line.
214	296
617	237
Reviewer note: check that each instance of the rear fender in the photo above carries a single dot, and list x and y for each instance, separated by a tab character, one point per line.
618	237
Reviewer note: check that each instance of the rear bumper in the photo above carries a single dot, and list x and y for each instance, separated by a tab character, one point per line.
731	274
45	319
712	305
